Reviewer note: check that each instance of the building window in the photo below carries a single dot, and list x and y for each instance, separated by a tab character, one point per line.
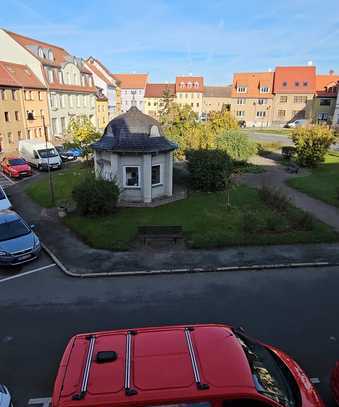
197	104
182	85
296	83
300	99
284	84
19	135
79	101
63	124
241	101
196	84
149	103
50	75
40	132
41	53
40	96
325	102
322	116
14	94
50	55
305	83
28	134
264	89
54	126
262	101
189	85
132	177
16	113
9	138
242	89
281	113
261	114
283	99
6	116
2	94
240	113
156	175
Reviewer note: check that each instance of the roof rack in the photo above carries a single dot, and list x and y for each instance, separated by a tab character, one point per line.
195	367
129	391
85	374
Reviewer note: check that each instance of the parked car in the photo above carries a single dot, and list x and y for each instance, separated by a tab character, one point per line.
4	201
5	397
242	124
296	123
16	167
335	382
40	155
68	154
18	243
186	366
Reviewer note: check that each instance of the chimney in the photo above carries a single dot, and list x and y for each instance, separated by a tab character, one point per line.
331	72
309	63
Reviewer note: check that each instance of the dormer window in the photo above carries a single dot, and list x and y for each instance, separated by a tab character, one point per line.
50	55
305	83
264	89
182	85
296	84
41	53
242	89
189	85
284	84
196	84
154	132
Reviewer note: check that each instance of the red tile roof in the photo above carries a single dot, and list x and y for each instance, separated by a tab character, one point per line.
253	81
218	91
131	81
156	90
294	79
327	85
18	76
189	84
92	64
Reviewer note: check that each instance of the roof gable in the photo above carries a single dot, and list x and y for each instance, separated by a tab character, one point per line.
295	79
257	84
18	75
189	84
131	81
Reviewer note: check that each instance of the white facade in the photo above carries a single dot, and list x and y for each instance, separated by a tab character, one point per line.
336	114
132	97
152	174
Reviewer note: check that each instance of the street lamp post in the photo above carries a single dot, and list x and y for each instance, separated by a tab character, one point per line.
51	185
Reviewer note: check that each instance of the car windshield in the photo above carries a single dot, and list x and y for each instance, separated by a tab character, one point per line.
17	161
2	194
12	230
270	375
47	153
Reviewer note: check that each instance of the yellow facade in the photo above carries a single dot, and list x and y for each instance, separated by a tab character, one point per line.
153	106
102	113
11	119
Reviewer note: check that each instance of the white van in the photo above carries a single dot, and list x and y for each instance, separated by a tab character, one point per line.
40	154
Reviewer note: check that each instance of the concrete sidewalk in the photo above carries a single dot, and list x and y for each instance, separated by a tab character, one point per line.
81	259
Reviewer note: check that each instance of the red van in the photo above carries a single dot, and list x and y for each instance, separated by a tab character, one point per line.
186	366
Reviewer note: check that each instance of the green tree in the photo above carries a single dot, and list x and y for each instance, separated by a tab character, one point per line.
312	143
166	101
236	144
220	122
82	134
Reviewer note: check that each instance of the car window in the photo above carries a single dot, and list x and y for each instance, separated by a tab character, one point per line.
48	152
12	230
2	194
17	161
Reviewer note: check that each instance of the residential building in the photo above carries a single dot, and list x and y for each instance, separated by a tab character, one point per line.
102	114
336	114
154	97
70	86
324	101
132	88
252	98
294	89
23	106
110	86
217	99
189	91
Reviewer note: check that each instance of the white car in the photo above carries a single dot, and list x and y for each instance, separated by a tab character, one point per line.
4	201
5	397
297	123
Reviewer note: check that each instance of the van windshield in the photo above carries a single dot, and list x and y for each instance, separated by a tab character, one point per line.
12	230
271	377
48	152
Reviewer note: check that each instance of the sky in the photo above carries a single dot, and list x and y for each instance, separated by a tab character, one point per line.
165	38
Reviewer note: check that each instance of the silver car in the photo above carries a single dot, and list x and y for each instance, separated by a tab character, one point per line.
18	243
5	397
4	201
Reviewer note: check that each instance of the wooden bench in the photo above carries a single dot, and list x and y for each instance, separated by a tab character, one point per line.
160	233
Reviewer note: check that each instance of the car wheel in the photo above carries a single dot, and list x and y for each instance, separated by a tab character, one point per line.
39	167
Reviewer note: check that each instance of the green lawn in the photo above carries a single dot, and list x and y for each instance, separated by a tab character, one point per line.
63	181
205	220
278	132
323	183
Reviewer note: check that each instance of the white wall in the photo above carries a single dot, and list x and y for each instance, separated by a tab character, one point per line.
11	51
127	98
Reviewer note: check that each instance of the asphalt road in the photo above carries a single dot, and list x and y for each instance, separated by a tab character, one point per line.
296	310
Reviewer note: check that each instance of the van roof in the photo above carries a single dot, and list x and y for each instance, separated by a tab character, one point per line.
161	367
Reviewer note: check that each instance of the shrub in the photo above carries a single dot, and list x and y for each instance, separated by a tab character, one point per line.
337	193
273	223
96	196
287	152
274	198
312	143
237	145
302	221
249	222
209	169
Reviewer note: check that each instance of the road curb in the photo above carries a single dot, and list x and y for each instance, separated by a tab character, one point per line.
188	270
